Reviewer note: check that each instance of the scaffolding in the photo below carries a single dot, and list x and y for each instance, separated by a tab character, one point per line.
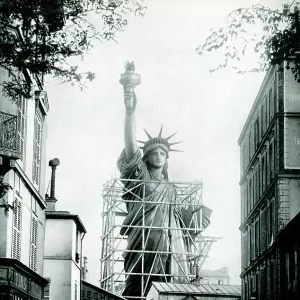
188	202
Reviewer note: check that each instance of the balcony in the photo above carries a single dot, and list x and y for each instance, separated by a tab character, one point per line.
9	136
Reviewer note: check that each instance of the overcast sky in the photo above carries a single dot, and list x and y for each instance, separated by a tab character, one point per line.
207	110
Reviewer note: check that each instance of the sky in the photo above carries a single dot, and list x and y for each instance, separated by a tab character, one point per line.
208	110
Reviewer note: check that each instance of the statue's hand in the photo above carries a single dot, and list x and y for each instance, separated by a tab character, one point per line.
131	108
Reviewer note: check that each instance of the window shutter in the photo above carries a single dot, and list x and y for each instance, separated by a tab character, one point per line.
33	250
21	125
37	146
16	247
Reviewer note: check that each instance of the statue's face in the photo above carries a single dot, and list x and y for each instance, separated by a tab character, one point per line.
157	158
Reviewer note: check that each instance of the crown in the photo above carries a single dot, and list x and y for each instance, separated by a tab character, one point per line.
159	140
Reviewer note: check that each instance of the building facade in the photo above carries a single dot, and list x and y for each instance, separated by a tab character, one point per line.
269	184
23	127
63	251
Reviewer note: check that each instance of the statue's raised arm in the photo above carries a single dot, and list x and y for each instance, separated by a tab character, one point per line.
130	80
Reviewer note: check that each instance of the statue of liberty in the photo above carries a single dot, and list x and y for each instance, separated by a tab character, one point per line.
163	256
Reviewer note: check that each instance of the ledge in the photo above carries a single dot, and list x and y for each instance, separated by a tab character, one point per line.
28	182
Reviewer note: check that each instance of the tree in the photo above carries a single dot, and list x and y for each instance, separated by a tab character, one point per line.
49	33
277	40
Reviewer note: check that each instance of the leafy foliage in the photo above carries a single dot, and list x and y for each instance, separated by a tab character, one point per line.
4	188
277	40
50	32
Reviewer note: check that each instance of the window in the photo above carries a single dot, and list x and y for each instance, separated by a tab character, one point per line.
33	249
246	199
259	183
271	102
266	117
270	283
267	167
252	238
249	197
257	237
248	246
244	246
275	97
263	230
245	203
271	163
263	283
271	217
263	178
250	146
37	146
244	290
17	223
244	158
242	208
262	115
251	200
254	283
21	126
256	133
256	184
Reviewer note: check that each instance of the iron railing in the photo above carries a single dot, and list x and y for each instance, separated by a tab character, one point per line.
9	136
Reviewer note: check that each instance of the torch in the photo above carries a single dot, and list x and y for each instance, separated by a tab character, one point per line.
129	80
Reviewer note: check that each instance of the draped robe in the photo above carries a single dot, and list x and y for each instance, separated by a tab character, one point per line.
152	196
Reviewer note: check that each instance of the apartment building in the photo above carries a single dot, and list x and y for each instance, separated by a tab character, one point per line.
270	191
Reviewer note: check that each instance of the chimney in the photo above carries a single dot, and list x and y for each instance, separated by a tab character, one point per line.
53	163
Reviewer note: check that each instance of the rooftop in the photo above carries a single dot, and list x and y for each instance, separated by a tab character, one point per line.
65	215
202	289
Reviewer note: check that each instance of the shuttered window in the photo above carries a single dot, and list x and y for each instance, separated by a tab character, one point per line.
33	249
21	126
37	146
17	220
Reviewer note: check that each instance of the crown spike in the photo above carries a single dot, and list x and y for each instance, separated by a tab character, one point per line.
149	136
141	142
170	136
175	150
160	132
175	143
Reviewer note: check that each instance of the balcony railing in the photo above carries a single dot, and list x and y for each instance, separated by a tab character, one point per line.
9	136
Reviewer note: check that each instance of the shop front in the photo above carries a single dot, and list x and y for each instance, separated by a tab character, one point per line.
18	282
